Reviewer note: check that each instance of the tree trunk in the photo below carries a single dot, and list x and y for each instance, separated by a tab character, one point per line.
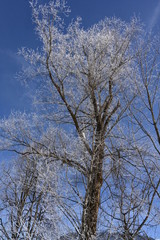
91	207
92	196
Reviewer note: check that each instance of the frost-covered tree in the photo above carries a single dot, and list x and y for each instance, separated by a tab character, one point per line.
146	117
24	210
84	82
86	75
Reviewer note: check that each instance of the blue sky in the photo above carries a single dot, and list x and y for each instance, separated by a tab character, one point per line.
17	31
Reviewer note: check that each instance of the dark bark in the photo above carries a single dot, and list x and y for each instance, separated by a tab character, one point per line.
92	197
91	206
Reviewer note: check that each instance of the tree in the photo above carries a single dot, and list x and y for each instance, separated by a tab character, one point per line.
23	203
87	71
146	117
86	82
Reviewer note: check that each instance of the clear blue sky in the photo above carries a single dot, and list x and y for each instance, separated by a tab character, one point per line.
17	31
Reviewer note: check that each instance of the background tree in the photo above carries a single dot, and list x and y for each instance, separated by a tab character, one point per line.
25	203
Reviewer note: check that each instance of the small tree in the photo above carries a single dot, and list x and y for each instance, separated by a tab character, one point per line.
24	203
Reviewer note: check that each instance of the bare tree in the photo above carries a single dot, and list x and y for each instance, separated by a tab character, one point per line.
146	116
87	73
86	81
127	197
23	203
